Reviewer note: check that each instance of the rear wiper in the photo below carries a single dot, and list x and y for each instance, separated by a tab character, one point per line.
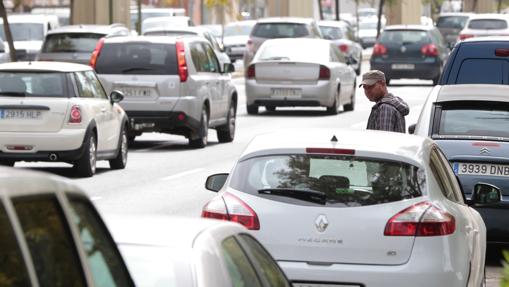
135	69
302	194
13	94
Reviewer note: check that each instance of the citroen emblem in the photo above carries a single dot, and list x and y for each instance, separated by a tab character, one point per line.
321	223
484	150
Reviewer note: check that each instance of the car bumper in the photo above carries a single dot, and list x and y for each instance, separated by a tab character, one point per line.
174	122
319	94
423	70
235	53
368	42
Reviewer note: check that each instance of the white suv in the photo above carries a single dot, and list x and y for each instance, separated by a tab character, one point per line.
52	111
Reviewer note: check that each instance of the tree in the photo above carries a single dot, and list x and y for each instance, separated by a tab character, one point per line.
7	32
379	21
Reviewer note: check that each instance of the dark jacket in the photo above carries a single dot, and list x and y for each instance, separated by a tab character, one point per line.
388	114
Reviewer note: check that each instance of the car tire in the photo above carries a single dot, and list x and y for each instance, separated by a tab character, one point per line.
270	108
334	108
351	106
86	165
7	162
202	139
252	109
120	161
226	133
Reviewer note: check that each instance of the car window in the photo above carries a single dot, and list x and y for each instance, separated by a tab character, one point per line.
344	181
405	37
95	84
269	268
487	24
442	170
34	84
492	71
199	56
105	262
291	52
86	88
279	30
331	33
71	42
337	53
50	242
13	271
240	269
457	22
237	30
213	64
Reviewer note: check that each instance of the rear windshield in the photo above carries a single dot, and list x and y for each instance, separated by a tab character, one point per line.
492	71
487	24
290	51
33	84
280	30
457	22
471	119
341	181
404	37
331	33
137	58
71	43
237	30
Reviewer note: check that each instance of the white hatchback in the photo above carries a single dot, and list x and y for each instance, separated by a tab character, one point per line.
52	111
340	208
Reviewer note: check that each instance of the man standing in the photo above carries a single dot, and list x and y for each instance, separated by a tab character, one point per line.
389	111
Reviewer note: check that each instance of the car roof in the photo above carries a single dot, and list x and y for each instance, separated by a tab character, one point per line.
486	39
166	19
153	39
242	23
31	18
44	66
332	23
489	16
89	28
397	145
298	20
160	230
473	92
194	29
297	41
409	27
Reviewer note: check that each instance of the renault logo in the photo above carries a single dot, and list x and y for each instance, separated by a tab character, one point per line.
321	223
484	150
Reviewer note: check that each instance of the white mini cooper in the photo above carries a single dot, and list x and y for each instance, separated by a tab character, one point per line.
52	111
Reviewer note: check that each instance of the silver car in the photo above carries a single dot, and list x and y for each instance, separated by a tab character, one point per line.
235	37
285	73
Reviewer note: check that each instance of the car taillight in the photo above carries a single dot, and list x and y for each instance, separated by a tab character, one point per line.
251	72
429	50
95	54
324	73
330	150
181	61
379	50
231	208
465	36
421	219
501	52
344	48
75	116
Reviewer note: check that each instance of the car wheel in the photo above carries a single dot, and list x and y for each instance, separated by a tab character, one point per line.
120	161
252	109
351	106
270	108
334	108
7	162
226	133
202	139
85	166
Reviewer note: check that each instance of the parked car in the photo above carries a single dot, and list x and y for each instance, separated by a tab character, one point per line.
451	24
469	123
273	28
368	214
367	31
165	22
482	25
284	73
478	61
209	253
171	85
221	55
52	235
76	43
235	37
28	32
338	33
332	207
53	111
410	51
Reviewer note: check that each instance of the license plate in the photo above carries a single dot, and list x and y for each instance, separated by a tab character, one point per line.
321	285
403	66
481	169
7	114
283	93
135	92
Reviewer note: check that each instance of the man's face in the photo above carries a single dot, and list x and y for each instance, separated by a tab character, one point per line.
374	92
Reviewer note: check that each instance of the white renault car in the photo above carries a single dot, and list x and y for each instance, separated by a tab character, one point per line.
337	208
52	111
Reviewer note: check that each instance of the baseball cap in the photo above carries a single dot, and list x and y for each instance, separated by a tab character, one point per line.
371	77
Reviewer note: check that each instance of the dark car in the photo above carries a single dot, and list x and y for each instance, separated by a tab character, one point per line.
470	125
410	51
482	60
451	24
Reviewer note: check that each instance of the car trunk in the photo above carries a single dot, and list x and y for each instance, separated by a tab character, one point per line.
78	58
290	72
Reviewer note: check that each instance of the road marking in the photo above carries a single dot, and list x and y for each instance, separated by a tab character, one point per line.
95	198
184	173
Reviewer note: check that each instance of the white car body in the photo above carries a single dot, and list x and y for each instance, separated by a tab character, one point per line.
165	22
345	244
472	30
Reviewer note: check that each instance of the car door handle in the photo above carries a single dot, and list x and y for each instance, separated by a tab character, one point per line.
470	229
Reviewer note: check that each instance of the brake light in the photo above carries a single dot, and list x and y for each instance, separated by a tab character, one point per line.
344	48
95	54
75	116
502	52
330	150
465	36
231	208
379	50
251	72
181	61
249	44
429	50
324	73
421	219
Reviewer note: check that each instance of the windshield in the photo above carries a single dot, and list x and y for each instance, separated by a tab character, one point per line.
71	42
457	22
25	31
331	33
50	84
488	24
295	52
344	181
405	37
237	30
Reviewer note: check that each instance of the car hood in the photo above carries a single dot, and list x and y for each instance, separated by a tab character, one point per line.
235	40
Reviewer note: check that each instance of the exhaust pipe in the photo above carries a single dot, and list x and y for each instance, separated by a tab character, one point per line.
53	157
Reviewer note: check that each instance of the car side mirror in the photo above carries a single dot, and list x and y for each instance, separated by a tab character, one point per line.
485	193
216	181
228	68
411	129
116	96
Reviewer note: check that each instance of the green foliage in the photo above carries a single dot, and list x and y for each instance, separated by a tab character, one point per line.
212	3
505	279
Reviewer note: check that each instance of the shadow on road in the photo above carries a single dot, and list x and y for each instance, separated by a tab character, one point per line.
494	255
293	113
